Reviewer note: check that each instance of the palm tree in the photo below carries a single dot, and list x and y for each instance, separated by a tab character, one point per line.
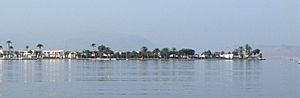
40	46
101	49
27	47
93	45
165	53
94	51
248	49
156	52
174	52
240	51
8	43
143	51
9	47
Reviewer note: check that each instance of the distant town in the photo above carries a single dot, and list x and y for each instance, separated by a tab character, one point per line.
103	52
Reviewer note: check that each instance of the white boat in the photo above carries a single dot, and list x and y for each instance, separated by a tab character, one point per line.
298	62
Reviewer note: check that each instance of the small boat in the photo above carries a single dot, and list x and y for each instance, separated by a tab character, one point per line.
261	59
298	62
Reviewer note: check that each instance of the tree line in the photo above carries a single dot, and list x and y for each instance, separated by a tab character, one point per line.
10	48
103	51
241	52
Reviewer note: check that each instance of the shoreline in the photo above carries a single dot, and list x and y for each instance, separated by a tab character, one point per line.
138	59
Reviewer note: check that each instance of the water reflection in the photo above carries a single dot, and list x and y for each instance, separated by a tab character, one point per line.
136	77
31	71
152	79
230	77
104	77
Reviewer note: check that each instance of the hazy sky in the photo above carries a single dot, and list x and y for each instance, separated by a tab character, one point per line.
199	24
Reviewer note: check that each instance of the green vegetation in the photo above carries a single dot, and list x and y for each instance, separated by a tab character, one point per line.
27	47
9	48
143	53
40	46
102	51
170	53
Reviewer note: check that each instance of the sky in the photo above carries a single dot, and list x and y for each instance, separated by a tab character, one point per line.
130	24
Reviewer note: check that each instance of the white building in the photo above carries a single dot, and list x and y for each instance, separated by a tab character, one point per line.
227	56
202	56
72	55
53	53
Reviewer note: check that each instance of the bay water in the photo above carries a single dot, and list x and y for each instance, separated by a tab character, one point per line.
274	78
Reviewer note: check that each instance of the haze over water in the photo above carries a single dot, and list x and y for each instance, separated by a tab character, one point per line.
127	25
130	24
149	79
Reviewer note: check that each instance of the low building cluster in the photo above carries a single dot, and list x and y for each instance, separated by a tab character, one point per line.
240	53
32	54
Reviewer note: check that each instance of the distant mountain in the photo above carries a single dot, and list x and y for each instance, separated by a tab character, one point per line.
281	51
78	41
117	42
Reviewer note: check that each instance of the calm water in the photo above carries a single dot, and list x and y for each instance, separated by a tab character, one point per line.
149	79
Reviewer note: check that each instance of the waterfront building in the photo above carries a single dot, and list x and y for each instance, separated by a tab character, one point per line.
27	54
202	56
53	54
227	56
6	54
71	55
